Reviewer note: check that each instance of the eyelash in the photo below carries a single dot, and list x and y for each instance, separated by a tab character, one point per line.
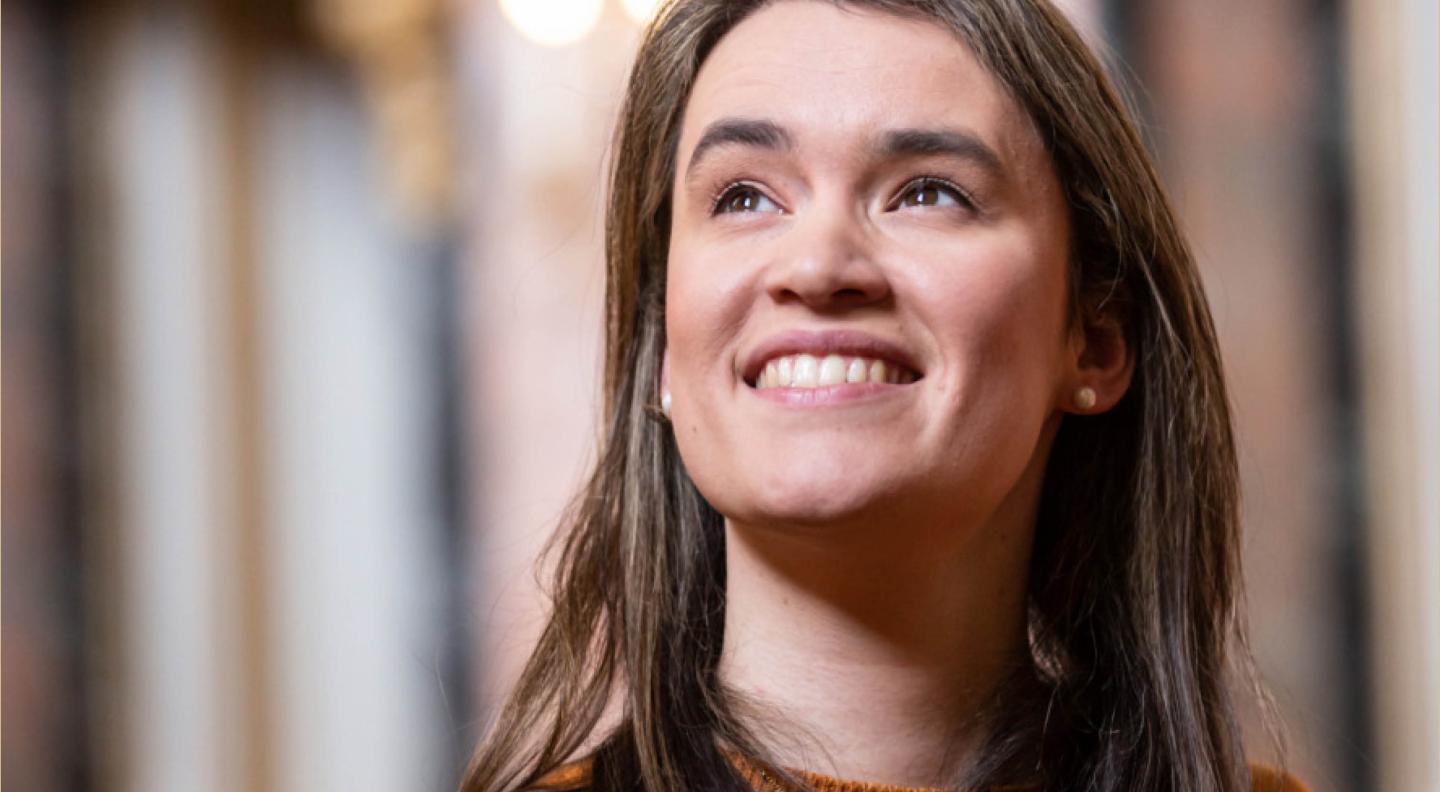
729	190
959	193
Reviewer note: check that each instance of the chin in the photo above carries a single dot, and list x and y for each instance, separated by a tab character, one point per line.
808	493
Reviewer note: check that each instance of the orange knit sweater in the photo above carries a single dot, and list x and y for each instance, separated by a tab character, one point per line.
576	776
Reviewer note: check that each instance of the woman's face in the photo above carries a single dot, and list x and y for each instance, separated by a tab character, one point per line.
866	305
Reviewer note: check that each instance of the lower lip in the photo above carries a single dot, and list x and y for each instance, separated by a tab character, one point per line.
830	395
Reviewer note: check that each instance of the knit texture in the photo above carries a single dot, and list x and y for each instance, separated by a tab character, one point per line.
576	776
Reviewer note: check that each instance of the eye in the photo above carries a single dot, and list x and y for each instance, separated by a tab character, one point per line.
932	191
743	198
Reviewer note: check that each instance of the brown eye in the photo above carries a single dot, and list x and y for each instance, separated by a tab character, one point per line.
744	198
932	192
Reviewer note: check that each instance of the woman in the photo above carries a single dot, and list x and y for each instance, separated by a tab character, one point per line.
917	467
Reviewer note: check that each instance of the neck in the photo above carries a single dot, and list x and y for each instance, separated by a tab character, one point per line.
879	645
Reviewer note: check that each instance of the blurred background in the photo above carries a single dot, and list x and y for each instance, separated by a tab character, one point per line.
301	311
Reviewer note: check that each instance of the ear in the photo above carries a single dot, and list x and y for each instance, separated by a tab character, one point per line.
1102	361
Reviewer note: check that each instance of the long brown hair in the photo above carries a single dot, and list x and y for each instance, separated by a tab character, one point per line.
1134	594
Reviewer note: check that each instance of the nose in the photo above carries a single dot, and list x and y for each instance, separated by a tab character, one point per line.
827	264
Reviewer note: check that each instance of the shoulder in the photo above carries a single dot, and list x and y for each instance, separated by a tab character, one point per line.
1268	779
566	777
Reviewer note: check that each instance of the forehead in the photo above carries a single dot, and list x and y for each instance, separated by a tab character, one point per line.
836	74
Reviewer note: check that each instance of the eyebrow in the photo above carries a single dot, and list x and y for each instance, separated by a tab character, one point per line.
743	131
941	142
893	144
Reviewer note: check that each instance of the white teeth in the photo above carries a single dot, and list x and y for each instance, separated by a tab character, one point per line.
856	371
808	371
832	370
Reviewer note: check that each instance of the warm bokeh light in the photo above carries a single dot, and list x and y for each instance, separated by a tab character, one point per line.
553	23
642	11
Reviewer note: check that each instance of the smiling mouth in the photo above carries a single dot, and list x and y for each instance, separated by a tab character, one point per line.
810	371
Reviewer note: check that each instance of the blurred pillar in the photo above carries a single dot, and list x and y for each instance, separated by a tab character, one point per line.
46	711
154	231
1394	83
251	667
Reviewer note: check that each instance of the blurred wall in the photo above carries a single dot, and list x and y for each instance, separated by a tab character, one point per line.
534	282
1246	111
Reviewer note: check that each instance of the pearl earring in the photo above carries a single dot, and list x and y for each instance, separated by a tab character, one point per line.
665	403
1085	398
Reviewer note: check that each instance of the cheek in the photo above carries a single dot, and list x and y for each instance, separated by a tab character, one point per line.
1000	304
703	313
998	314
705	309
707	298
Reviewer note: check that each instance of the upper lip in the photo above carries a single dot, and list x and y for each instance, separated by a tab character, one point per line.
853	343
